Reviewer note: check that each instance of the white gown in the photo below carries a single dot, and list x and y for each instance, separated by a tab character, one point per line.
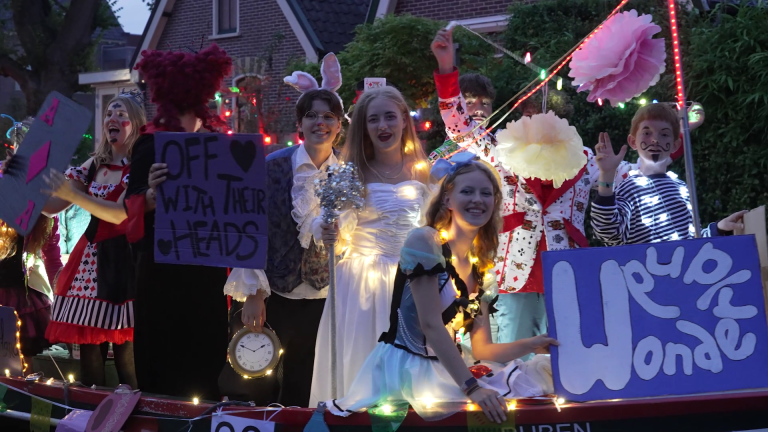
365	281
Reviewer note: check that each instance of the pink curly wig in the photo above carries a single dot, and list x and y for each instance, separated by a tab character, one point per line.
183	82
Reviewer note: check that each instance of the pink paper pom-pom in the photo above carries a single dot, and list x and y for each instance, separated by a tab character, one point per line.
621	60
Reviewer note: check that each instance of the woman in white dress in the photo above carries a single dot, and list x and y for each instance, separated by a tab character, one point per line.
383	145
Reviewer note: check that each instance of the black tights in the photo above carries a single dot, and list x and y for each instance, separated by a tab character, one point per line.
92	358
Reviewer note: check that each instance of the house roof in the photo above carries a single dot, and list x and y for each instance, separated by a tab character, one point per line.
325	25
330	24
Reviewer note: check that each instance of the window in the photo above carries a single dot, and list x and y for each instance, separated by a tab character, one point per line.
225	17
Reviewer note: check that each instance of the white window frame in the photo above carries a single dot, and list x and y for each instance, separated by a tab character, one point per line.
215	24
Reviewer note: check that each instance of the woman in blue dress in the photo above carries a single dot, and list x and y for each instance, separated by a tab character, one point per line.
442	285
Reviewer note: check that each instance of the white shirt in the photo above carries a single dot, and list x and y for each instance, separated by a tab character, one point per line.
305	208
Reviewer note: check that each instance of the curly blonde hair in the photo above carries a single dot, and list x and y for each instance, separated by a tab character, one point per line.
34	241
439	216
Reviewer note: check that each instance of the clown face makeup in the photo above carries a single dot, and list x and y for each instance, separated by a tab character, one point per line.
480	108
654	142
117	123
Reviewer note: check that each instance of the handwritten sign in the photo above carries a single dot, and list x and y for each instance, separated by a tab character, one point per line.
657	319
50	143
212	209
9	353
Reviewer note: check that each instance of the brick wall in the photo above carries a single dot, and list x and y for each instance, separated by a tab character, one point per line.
447	10
259	20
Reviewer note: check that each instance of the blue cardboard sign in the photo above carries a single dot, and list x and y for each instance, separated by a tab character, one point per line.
212	208
672	318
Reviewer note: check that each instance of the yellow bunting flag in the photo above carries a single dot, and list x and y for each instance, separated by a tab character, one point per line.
3	389
478	422
40	417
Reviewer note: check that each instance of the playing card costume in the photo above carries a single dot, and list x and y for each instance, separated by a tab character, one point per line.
537	215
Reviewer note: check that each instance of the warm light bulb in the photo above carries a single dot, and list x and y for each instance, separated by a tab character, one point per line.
71	378
50	381
420	165
643	101
386	409
8	373
195	401
473	259
281	352
560	83
444	235
560	401
269	372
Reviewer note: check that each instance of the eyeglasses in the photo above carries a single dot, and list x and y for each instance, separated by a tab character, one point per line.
328	117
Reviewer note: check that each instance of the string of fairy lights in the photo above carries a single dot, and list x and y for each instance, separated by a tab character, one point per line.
544	76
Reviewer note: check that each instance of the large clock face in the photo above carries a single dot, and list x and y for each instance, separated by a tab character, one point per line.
254	352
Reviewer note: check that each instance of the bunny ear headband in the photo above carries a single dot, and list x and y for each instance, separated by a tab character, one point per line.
443	167
331	72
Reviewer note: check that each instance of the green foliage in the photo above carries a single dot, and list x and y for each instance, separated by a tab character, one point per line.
397	48
725	62
548	30
84	149
727	72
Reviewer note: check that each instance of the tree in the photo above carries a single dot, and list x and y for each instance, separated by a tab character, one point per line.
397	47
49	43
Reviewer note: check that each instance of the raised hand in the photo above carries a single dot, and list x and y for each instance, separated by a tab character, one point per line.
606	159
442	48
695	116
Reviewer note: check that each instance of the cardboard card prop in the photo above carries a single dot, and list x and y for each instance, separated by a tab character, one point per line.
212	209
657	319
50	143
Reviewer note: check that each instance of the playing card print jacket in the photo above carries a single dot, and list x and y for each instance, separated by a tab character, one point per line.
534	221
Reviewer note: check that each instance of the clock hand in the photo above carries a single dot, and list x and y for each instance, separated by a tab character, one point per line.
259	348
243	346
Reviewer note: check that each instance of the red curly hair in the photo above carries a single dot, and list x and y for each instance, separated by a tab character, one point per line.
183	82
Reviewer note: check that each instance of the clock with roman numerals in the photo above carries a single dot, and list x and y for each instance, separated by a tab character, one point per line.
254	355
